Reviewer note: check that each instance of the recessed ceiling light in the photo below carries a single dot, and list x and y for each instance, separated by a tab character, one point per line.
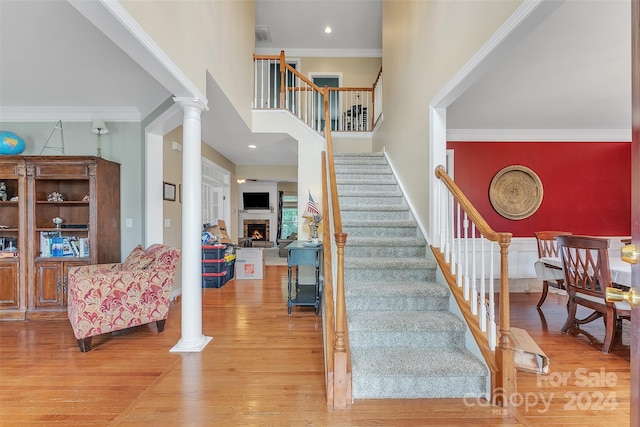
252	146
328	29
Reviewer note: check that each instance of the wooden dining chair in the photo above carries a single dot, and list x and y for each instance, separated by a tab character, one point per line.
548	247
585	261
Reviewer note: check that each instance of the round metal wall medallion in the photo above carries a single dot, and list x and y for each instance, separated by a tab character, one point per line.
516	192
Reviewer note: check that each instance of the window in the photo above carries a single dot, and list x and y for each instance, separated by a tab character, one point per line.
215	187
289	215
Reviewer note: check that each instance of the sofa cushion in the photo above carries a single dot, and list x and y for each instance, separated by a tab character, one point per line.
163	257
137	260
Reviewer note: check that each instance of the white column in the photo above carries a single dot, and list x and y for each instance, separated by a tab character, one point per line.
192	339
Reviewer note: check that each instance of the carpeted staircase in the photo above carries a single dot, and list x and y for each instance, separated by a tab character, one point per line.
404	341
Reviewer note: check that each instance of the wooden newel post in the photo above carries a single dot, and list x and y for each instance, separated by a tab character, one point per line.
506	382
340	384
282	80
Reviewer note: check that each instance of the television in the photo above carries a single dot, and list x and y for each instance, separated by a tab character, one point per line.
255	201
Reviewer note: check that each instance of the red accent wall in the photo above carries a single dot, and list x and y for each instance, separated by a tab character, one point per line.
586	185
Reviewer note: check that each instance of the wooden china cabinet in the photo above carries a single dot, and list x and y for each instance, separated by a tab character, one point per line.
13	235
67	214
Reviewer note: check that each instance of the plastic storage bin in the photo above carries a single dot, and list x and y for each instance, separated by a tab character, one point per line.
230	267
213	265
213	251
214	280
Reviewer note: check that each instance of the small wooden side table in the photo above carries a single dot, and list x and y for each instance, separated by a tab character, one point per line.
301	253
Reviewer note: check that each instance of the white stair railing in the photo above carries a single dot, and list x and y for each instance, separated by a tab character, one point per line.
474	260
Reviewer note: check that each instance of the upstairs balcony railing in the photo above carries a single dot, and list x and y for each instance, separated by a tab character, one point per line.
279	85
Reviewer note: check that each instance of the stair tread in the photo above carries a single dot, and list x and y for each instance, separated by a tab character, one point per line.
438	362
404	321
406	343
379	223
358	154
385	241
373	208
373	193
387	262
377	178
401	288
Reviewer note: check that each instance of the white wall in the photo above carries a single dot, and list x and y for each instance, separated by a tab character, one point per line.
271	214
425	43
201	36
310	145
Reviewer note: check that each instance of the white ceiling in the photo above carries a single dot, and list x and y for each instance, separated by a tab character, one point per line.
297	27
571	71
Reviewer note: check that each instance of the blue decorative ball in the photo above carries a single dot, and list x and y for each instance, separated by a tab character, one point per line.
10	143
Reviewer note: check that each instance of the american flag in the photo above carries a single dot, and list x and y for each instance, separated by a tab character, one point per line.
311	206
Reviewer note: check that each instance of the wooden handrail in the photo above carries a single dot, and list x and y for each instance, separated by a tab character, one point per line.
335	203
303	78
337	349
292	82
327	288
473	213
345	89
268	57
341	358
375	83
501	364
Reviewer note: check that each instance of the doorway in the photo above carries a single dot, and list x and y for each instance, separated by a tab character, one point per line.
329	80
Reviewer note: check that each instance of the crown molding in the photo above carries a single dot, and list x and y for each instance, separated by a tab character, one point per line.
69	114
540	135
322	53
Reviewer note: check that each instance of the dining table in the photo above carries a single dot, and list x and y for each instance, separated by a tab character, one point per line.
550	268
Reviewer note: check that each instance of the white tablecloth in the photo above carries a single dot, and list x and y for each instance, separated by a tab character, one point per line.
620	271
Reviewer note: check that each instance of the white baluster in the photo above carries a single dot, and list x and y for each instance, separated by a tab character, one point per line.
466	257
480	296
492	318
473	296
458	245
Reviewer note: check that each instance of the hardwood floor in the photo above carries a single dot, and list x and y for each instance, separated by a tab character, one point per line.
264	368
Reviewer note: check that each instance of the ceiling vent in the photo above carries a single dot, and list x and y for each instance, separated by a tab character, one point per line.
262	34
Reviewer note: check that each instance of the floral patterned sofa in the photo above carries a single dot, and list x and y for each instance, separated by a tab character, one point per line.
111	297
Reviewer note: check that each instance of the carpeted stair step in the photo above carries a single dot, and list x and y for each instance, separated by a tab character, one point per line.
405	343
364	174
389	269
373	188
380	212
371	198
400	296
380	228
378	188
359	159
409	329
385	247
363	171
416	373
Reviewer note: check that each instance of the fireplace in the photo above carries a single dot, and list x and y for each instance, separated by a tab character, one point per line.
256	229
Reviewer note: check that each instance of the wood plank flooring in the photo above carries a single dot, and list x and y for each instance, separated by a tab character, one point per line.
265	368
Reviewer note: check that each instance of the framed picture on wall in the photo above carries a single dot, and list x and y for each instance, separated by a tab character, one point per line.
169	192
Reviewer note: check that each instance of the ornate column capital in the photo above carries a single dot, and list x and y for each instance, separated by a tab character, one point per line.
197	103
